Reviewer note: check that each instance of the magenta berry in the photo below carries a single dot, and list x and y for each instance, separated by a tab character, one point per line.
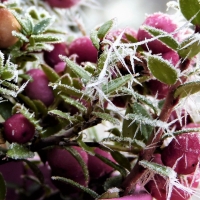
18	129
62	3
38	89
60	68
83	49
52	57
172	57
182	153
98	168
160	21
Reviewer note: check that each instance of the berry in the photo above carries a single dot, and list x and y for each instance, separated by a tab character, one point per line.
160	21
63	164
84	50
38	88
60	68
62	3
98	168
172	57
182	153
52	57
8	24
18	129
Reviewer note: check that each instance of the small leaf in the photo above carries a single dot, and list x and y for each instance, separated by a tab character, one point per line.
190	46
78	70
45	38
41	26
187	89
95	39
166	37
50	72
62	115
115	84
190	9
2	188
27	58
114	131
17	151
101	62
107	117
103	30
6	109
161	69
121	159
75	184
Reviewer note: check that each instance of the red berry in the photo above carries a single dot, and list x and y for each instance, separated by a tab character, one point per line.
98	168
182	153
160	21
18	129
84	50
38	88
52	57
62	3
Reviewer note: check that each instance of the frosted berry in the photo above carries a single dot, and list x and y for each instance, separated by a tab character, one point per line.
62	3
52	57
182	153
8	24
18	129
160	21
38	89
84	50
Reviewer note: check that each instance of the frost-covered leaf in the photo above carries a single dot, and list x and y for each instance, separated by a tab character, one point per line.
101	62
187	89
161	69
17	151
46	38
190	47
20	36
166	37
74	103
107	117
112	182
62	115
50	72
190	9
115	84
110	193
41	26
95	39
121	159
69	181
103	30
78	70
2	188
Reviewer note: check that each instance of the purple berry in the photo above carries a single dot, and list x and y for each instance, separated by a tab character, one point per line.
160	21
62	3
84	50
52	57
38	88
18	129
182	153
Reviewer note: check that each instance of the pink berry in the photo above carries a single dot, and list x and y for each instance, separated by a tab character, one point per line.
172	57
38	88
62	3
160	21
18	129
98	168
84	50
60	68
182	153
63	164
52	57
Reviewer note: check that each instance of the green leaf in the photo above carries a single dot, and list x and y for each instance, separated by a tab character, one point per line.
6	109
190	9
114	131
115	84
95	39
107	117
187	89
40	106
41	26
166	37
101	62
121	159
81	162
189	47
2	188
50	72
27	58
103	30
62	115
17	151
69	181
78	70
45	38
161	69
